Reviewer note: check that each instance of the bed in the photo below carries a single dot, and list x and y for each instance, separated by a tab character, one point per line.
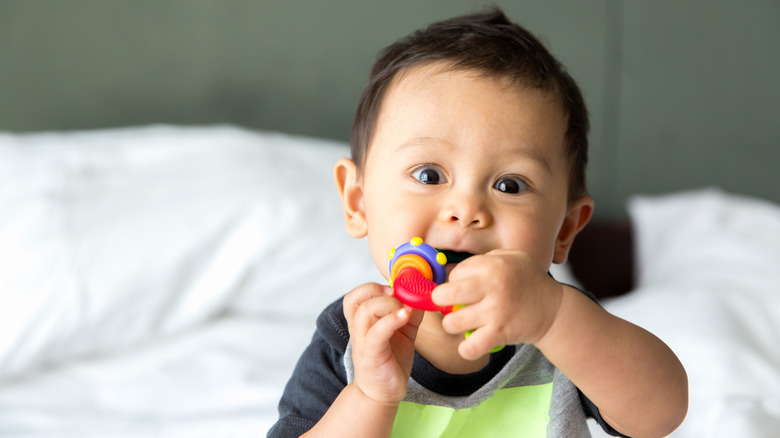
162	281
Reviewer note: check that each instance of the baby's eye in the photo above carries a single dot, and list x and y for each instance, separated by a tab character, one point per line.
429	175
510	185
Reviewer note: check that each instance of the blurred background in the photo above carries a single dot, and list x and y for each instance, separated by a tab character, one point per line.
682	94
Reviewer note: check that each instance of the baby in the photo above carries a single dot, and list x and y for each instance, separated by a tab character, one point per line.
471	136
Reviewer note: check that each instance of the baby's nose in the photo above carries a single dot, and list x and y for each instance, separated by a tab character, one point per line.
467	210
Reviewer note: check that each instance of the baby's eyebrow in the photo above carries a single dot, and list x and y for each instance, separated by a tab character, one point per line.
420	141
534	155
529	152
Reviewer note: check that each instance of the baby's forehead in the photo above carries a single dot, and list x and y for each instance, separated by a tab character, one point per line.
438	102
417	78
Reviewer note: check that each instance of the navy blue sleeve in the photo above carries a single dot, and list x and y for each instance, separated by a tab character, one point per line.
318	378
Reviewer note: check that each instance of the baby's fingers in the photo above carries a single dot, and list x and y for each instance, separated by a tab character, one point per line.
385	328
464	319
478	343
354	299
460	292
381	316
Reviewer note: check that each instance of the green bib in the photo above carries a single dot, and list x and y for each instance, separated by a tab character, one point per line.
511	412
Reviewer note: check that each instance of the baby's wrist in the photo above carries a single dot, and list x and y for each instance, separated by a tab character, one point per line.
555	297
378	402
567	296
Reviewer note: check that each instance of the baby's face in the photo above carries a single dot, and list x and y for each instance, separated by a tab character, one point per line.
468	163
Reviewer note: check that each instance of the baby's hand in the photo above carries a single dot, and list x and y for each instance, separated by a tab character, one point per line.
382	332
509	299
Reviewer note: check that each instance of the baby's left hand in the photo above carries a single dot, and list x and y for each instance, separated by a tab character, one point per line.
509	299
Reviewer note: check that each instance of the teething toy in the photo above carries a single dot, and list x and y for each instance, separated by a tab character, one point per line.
416	268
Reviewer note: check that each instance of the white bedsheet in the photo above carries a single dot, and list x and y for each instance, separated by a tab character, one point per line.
219	379
162	281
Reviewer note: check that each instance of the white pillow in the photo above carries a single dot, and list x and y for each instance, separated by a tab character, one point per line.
110	237
709	286
706	235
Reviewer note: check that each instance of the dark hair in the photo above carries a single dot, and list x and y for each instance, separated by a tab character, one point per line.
489	43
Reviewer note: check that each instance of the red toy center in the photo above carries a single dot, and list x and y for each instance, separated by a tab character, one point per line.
413	289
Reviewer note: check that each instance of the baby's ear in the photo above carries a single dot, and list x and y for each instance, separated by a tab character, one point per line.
347	182
577	216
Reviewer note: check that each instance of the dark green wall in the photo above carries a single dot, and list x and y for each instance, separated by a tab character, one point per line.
682	94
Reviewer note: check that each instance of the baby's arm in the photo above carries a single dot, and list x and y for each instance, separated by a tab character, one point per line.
382	333
636	381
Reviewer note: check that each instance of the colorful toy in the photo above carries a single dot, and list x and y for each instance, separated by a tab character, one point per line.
416	268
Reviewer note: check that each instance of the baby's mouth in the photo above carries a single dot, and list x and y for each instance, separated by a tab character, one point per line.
453	258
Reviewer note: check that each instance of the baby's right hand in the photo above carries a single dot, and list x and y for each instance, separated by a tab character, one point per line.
382	332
